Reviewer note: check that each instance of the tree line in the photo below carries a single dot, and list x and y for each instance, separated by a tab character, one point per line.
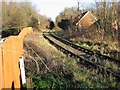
107	13
17	15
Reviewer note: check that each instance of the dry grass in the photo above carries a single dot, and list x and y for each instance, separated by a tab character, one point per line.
43	45
61	65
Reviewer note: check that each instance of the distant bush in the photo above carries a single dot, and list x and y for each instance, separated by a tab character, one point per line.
8	32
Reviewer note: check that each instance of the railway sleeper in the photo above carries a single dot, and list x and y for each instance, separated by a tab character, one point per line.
102	57
85	62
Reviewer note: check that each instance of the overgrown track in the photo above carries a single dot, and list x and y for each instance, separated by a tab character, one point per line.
90	52
83	60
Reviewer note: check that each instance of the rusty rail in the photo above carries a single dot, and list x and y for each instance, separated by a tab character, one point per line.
86	62
87	51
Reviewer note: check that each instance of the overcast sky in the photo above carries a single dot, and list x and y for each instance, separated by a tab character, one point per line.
52	8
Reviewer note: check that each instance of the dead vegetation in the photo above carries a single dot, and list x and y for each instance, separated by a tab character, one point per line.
46	52
50	68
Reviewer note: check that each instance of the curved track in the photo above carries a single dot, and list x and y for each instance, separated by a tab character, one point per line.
80	52
103	57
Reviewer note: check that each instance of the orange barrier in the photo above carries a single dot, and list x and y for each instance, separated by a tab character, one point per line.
10	52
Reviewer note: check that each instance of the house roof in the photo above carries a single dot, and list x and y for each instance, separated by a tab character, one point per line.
84	15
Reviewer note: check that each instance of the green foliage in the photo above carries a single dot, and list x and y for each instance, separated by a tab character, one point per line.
82	78
67	72
48	81
11	31
24	87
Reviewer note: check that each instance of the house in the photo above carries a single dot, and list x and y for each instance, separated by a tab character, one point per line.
86	20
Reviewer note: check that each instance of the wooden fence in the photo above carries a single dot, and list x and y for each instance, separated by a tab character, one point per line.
10	52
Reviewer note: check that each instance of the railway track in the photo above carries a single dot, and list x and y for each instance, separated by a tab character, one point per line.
81	53
90	52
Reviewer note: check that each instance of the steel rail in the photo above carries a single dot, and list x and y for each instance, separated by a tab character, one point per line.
86	62
90	52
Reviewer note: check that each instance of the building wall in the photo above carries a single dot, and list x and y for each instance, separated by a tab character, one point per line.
87	21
